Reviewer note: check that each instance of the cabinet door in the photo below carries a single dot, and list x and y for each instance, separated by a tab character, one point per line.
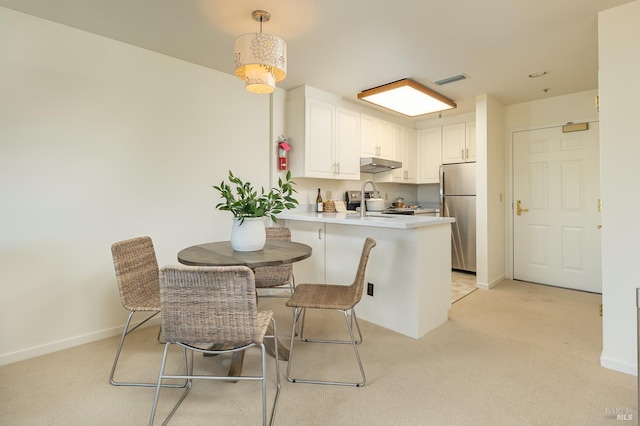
470	154
409	155
397	152
384	139
310	270
347	144
319	135
429	154
368	136
453	143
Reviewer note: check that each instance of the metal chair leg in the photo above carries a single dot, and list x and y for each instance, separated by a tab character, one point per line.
125	332
189	376
353	342
188	372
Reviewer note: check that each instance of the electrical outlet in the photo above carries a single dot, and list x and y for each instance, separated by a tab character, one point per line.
370	289
329	194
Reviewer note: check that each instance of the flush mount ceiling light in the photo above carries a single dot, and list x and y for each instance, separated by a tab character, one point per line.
407	97
261	59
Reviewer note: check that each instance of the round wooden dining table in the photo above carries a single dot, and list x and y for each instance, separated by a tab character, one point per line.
221	253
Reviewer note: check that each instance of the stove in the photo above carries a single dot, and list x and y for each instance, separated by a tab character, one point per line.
414	210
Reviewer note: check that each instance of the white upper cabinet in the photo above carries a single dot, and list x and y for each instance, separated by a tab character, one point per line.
318	141
429	155
453	143
471	142
325	139
409	159
375	137
403	148
347	148
397	152
368	136
459	143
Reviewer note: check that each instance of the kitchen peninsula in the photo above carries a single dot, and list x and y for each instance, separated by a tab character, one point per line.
410	268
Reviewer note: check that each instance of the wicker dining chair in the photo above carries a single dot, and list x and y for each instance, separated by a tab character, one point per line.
136	270
207	309
269	277
331	296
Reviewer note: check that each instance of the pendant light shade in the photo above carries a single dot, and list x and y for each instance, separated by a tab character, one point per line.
260	59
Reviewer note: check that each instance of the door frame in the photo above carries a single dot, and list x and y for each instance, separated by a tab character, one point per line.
510	204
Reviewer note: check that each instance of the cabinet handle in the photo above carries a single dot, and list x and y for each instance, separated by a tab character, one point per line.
467	156
462	153
338	168
319	233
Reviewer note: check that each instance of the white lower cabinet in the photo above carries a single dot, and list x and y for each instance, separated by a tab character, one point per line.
310	270
332	261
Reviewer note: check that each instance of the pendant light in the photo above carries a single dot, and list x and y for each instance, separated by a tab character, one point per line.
261	59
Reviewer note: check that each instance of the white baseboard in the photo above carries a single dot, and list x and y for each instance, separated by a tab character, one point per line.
59	345
492	284
617	365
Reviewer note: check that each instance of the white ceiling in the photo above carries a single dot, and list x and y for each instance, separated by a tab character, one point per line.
346	46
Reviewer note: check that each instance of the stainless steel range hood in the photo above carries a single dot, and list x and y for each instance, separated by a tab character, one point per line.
377	165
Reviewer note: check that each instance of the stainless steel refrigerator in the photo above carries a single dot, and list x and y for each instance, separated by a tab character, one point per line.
458	199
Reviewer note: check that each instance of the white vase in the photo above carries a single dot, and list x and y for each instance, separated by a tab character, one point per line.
249	235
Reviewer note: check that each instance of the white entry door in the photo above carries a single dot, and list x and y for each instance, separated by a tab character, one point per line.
556	191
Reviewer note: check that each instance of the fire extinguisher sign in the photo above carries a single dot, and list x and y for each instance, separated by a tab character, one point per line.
283	147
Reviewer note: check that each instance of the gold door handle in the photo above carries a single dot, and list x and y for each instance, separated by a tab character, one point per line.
519	208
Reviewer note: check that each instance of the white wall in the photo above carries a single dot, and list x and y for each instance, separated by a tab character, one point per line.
490	189
556	110
619	64
101	141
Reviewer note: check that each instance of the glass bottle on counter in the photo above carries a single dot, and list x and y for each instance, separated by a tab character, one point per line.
319	208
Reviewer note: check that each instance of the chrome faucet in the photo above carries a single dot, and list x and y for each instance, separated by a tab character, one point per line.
363	203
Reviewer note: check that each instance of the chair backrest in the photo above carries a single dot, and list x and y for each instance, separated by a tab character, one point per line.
137	273
358	283
208	304
271	276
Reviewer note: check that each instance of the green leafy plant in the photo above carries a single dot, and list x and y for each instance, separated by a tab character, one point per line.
242	200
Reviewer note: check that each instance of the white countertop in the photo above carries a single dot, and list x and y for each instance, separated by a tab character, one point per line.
372	219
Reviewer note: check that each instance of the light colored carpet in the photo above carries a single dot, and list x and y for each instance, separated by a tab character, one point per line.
519	354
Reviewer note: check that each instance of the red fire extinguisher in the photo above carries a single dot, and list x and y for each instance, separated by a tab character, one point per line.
283	147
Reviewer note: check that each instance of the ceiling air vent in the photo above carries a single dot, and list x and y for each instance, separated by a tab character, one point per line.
451	79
